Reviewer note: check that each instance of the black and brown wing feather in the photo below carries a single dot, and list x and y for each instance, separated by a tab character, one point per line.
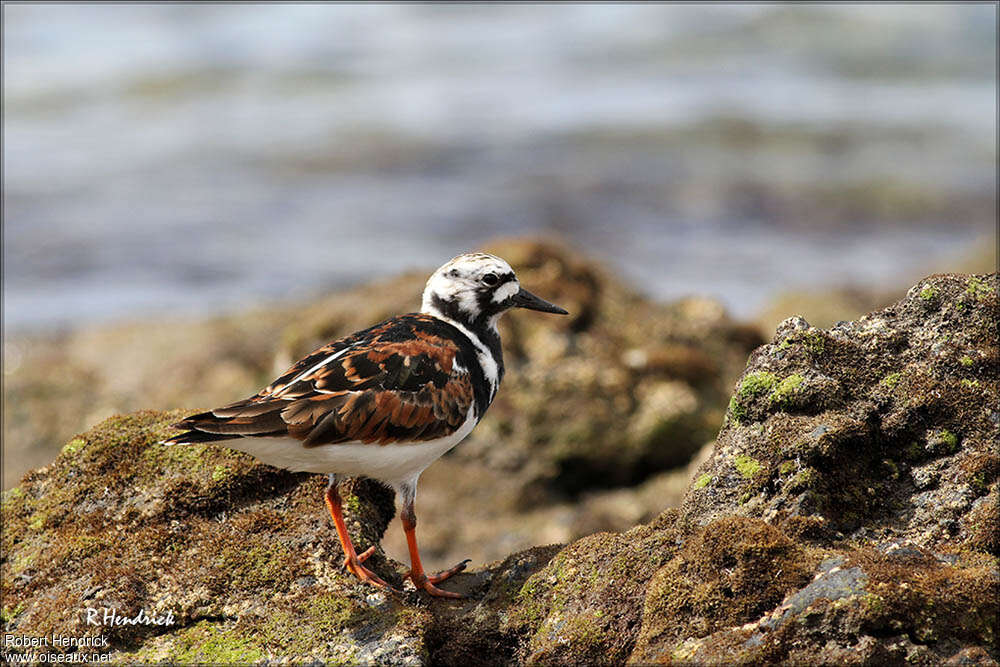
411	378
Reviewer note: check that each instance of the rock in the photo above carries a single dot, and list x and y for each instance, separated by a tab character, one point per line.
240	554
847	518
881	428
873	447
735	569
804	538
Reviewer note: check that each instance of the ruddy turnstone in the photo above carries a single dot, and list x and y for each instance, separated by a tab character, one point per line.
385	402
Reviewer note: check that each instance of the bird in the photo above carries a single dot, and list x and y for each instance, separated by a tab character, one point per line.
384	402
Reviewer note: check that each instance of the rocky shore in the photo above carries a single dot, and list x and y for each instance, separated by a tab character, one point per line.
846	513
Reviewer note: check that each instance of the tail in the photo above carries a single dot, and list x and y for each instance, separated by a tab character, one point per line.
241	419
196	437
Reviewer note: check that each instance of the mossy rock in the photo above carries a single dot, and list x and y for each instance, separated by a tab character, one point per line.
246	562
845	518
867	406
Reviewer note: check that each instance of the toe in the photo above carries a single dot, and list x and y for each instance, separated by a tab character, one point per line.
366	575
441	576
439	592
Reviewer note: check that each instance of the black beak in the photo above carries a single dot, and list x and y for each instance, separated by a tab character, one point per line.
525	299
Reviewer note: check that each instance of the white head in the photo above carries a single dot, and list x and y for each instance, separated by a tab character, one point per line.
476	289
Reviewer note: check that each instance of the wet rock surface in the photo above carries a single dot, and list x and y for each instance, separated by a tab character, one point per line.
847	515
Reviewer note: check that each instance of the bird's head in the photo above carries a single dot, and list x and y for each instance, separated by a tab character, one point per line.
476	289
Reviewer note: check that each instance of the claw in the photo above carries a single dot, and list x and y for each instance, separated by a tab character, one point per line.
444	574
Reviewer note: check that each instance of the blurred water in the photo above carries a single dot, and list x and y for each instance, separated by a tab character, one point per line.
192	159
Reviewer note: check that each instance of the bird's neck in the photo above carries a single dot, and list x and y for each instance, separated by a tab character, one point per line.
481	329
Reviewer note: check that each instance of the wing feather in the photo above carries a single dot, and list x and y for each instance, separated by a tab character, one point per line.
395	382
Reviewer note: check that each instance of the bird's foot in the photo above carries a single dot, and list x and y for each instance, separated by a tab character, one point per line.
427	582
362	557
355	567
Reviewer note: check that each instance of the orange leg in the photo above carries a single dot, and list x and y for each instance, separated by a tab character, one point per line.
352	561
417	574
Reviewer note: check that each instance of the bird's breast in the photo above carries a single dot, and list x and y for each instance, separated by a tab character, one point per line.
391	463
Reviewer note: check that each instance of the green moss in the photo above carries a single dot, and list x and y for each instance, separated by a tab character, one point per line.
159	456
874	604
8	614
411	621
14	502
735	410
915	451
786	388
584	632
979	290
972	384
204	643
966	361
22	560
949	439
352	503
73	446
814	343
297	632
731	572
753	386
785	344
84	546
891	380
786	468
541	606
757	383
332	613
702	481
220	472
979	483
929	293
261	566
804	479
746	466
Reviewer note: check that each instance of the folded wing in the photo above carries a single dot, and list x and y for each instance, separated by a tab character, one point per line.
396	382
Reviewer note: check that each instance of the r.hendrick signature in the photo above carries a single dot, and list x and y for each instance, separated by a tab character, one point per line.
110	616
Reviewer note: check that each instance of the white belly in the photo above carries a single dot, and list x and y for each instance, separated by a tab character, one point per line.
392	463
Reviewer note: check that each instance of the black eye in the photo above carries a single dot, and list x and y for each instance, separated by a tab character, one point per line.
491	279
